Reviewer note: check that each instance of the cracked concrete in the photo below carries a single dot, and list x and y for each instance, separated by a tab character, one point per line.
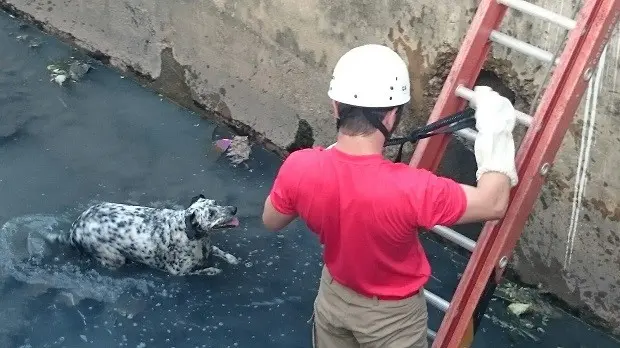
264	65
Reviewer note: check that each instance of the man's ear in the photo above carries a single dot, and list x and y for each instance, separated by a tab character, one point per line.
391	119
336	114
190	230
335	108
196	198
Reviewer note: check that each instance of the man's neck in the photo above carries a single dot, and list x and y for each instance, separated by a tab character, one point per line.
361	145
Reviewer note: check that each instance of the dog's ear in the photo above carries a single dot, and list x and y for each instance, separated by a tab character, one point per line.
196	198
190	230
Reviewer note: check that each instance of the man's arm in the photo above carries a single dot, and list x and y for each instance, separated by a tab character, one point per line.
273	219
487	201
446	202
280	206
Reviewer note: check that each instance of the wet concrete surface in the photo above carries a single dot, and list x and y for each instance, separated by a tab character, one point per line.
106	138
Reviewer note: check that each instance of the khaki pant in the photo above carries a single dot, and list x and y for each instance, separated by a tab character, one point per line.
344	318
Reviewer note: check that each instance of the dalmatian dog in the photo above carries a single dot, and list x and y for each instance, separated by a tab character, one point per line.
174	241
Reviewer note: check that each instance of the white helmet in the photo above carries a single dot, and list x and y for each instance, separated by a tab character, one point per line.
370	76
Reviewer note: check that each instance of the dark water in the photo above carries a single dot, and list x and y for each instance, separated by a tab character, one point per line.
106	138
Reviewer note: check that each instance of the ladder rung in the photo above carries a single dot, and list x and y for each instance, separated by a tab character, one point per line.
436	301
540	12
431	334
467	133
522	46
455	237
468	94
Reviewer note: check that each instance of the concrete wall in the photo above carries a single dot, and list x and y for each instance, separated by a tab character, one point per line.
266	64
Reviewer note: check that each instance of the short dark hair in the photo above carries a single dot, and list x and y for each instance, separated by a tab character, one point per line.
353	120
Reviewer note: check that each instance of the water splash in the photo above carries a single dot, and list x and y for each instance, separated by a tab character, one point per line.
28	258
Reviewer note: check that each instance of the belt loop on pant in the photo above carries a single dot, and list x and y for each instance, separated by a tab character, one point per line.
375	299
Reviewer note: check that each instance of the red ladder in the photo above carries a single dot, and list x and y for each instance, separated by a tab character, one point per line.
588	35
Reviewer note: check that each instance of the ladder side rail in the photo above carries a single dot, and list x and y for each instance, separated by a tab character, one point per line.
553	117
465	70
556	111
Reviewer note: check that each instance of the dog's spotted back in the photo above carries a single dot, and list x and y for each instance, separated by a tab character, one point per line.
175	241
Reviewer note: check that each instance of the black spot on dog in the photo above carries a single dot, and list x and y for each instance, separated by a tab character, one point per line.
114	234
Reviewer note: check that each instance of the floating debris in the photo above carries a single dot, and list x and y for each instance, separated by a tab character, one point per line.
78	69
223	144
34	43
58	74
519	308
238	148
73	69
514	293
527	311
59	79
523	332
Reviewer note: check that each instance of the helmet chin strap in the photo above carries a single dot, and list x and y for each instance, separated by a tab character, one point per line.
377	123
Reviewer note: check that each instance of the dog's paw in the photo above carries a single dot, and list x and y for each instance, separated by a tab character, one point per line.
211	271
231	259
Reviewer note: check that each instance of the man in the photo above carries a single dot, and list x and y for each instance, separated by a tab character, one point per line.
367	210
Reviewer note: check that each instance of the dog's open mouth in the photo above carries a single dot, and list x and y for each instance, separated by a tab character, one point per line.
232	222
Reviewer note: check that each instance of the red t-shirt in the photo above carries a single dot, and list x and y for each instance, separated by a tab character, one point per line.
366	211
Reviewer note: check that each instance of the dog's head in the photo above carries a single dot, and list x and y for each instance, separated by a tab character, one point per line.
205	215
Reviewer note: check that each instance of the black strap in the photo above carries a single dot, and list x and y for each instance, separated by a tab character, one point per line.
377	123
450	124
374	121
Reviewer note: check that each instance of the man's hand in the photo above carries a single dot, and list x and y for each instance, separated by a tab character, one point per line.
494	113
494	147
495	155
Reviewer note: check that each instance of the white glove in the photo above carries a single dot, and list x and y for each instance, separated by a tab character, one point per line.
494	147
